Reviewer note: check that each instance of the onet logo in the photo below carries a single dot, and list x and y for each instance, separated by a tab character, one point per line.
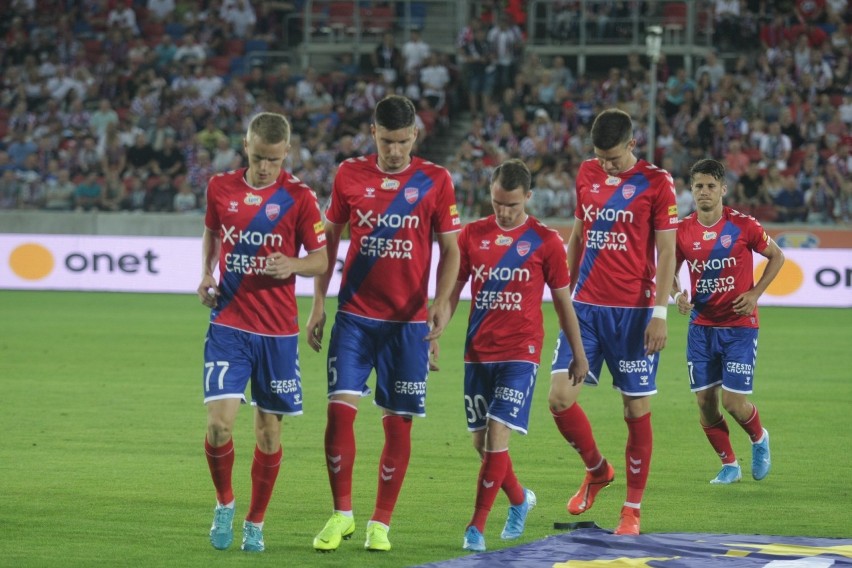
31	261
788	281
34	261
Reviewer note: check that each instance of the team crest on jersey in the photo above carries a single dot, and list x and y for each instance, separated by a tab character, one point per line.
233	207
503	241
628	190
523	248
369	192
252	199
485	244
411	194
389	184
272	211
613	180
709	235
726	241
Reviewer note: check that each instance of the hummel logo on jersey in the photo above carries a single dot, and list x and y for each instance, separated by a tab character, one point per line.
696	245
596	188
370	192
232	207
485	245
393	221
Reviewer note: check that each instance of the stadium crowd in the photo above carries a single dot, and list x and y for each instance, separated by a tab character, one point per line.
131	105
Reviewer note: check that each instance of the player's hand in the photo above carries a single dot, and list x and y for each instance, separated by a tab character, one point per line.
683	304
577	370
208	291
655	336
279	266
439	317
745	304
433	356
315	328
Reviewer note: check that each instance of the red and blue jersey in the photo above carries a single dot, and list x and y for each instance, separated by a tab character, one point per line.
508	271
720	262
620	215
391	218
253	223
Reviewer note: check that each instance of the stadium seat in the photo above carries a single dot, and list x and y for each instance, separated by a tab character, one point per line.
377	20
175	29
341	18
222	65
256	45
234	47
674	22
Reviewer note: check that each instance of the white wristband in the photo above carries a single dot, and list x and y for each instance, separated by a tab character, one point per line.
676	296
660	312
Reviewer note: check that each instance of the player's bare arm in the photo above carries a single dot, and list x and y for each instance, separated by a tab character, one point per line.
680	294
283	267
440	311
208	289
657	330
575	251
316	320
579	366
745	303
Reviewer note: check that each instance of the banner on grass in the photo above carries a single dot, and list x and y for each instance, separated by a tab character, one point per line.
589	548
810	277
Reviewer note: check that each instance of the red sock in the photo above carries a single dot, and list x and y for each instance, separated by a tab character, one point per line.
720	439
221	462
488	484
640	443
753	426
340	452
511	486
393	465
575	428
264	472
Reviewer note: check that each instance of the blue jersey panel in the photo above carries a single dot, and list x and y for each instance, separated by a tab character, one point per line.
721	355
499	391
615	336
233	358
398	352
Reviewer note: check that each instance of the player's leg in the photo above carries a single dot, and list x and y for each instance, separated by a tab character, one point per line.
738	382
401	371
704	363
268	455
634	374
349	366
495	460
569	417
227	368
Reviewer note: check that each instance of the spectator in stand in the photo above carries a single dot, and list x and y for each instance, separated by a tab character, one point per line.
10	189
140	157
88	193
820	201
169	161
507	43
478	68
59	191
190	51
434	78
185	200
160	10
414	52
123	17
387	59
226	158
790	203
750	190
240	16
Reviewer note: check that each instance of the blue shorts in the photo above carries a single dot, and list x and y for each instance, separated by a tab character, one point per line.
617	336
721	355
232	357
397	351
499	391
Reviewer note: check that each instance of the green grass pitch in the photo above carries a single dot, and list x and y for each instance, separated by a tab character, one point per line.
102	460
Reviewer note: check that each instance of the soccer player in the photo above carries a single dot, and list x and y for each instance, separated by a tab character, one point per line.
717	243
393	204
626	207
509	258
258	218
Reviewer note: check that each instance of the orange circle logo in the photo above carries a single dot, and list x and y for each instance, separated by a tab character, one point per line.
788	280
31	261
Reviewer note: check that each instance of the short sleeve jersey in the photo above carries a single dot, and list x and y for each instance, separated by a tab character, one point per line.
507	271
253	223
620	215
391	220
721	265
